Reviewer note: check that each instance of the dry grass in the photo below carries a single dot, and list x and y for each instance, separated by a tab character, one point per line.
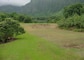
52	33
62	38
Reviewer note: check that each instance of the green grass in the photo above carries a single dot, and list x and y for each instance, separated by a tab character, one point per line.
31	47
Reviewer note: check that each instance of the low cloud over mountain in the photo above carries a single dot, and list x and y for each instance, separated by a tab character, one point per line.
14	2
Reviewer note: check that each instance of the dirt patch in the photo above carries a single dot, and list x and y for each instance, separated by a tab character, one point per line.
44	26
73	45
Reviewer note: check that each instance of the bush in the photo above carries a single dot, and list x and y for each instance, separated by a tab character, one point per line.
73	9
16	16
76	22
25	19
9	28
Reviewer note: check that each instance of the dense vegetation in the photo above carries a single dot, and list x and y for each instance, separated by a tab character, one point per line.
73	18
9	28
16	16
73	9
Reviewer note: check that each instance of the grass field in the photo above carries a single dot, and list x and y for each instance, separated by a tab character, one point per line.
44	42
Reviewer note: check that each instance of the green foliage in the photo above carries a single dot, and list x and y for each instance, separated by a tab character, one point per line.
2	16
50	19
73	18
53	19
25	19
9	28
16	16
73	9
75	22
39	19
13	15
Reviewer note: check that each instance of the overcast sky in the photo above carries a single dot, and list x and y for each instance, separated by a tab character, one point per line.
14	2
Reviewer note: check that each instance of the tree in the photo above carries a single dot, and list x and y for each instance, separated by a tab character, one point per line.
2	16
27	19
13	15
9	29
73	9
24	18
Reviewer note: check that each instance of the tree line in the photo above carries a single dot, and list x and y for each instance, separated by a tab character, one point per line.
15	16
73	18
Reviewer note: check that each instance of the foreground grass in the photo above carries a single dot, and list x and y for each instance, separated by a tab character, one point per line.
29	47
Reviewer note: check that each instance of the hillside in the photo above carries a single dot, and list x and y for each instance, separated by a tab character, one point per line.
40	7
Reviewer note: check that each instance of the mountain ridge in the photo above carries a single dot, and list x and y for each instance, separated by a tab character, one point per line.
40	7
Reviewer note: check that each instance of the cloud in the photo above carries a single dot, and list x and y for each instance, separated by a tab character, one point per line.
14	2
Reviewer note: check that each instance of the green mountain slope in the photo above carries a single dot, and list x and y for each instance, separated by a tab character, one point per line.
40	7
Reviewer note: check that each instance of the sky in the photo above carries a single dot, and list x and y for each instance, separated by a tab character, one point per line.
14	2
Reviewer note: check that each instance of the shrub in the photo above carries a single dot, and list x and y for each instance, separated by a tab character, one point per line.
73	9
16	16
76	22
9	28
27	20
